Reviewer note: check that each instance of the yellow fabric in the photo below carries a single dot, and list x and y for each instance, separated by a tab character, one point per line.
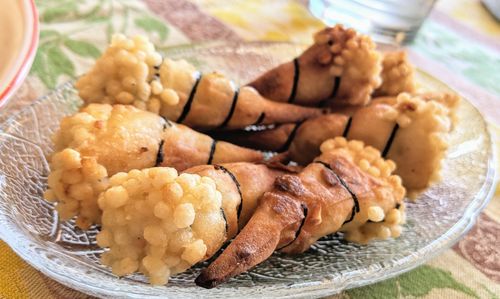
472	13
279	20
20	280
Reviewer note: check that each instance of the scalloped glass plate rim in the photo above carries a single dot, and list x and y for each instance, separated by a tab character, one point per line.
326	286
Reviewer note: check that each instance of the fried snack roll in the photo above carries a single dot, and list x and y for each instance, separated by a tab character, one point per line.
123	73
449	100
132	72
102	140
410	130
341	65
274	139
160	223
349	188
398	75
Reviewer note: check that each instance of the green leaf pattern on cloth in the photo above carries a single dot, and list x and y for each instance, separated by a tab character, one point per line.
74	34
416	283
60	62
490	293
82	48
54	13
152	25
477	63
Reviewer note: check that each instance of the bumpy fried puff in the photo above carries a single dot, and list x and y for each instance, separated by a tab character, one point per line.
398	75
132	72
410	130
346	188
102	140
341	65
160	223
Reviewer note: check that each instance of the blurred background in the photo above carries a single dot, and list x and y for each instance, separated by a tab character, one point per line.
459	40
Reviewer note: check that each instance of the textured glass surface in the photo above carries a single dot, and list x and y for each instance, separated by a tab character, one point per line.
435	221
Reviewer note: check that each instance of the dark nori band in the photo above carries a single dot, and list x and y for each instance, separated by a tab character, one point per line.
336	86
290	138
159	154
187	107
389	142
296	75
225	219
347	127
231	110
167	122
297	233
323	103
260	119
334	92
212	151
236	183
355	209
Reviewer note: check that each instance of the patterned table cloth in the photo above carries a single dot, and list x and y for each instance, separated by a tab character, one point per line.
459	43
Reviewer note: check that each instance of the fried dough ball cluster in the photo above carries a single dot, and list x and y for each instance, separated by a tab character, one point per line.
382	221
355	60
428	122
450	100
74	183
397	74
77	176
380	227
158	222
123	137
127	73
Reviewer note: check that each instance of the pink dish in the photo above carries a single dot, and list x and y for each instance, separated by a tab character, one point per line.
20	41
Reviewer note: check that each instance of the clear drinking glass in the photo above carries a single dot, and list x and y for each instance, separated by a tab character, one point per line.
387	21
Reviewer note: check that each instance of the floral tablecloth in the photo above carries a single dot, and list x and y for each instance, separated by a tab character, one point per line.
460	43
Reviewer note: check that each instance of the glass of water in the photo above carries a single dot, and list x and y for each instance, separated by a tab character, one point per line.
387	21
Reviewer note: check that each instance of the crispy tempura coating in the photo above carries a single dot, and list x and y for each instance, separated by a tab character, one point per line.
155	221
252	180
132	72
417	144
160	223
121	137
123	73
398	75
347	186
341	65
420	143
102	140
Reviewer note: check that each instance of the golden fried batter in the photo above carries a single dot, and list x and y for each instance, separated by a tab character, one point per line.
410	130
341	65
347	186
132	72
398	75
102	140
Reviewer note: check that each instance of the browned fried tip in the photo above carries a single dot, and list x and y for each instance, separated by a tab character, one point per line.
280	162
256	242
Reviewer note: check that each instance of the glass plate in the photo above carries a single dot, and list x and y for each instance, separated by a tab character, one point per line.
435	221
